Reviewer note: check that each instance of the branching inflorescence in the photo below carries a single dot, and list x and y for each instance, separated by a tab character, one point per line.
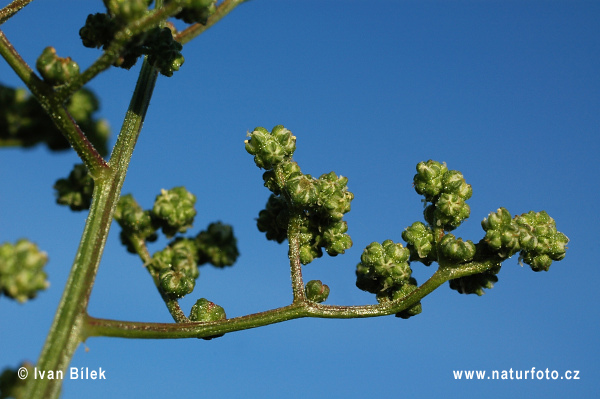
305	211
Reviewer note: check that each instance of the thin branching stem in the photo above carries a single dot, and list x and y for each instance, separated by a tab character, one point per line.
7	12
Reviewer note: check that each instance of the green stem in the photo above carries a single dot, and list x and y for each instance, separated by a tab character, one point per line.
126	329
66	332
12	9
294	255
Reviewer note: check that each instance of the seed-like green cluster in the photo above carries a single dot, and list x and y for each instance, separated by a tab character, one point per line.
217	245
174	210
405	290
24	122
419	239
532	234
207	311
76	190
163	51
136	224
447	192
316	291
177	267
321	203
22	272
457	250
12	385
383	268
54	69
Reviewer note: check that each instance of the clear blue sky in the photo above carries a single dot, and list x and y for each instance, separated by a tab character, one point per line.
505	91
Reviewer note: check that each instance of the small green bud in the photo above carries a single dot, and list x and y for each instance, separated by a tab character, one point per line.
127	10
207	311
457	250
334	197
540	240
164	52
76	190
21	270
217	245
428	180
419	239
334	239
450	211
174	210
197	11
316	291
502	234
302	190
176	283
270	149
54	69
273	220
453	182
98	31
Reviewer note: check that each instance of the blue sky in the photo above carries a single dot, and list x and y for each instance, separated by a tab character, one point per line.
505	91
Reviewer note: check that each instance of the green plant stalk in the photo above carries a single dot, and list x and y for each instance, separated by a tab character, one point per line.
294	255
11	9
67	328
299	309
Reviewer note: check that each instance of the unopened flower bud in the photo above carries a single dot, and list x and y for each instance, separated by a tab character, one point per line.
316	291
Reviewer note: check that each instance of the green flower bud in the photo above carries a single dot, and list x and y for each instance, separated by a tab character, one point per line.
174	210
334	197
419	239
502	234
273	220
21	270
428	180
540	241
127	10
197	11
217	245
302	190
206	311
176	283
54	69
316	291
185	257
453	182
450	211
457	250
475	283
404	291
76	190
334	239
309	247
385	264
164	52
270	149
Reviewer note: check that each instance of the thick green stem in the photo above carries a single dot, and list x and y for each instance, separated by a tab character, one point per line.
66	332
294	255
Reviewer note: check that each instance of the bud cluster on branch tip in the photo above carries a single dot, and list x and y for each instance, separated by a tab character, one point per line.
54	69
136	223
23	122
447	191
316	291
321	202
457	250
217	245
12	385
270	148
419	241
383	268
174	210
21	270
533	234
76	190
163	51
177	267
207	311
196	11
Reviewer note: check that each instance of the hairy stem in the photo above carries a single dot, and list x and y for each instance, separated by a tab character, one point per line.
66	331
12	9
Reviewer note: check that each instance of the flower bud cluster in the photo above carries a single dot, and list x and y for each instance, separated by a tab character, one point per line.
197	11
475	283
217	245
533	234
321	202
206	311
23	121
174	210
419	239
135	222
383	268
54	69
447	192
157	43
76	190
457	250
22	272
12	385
177	267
